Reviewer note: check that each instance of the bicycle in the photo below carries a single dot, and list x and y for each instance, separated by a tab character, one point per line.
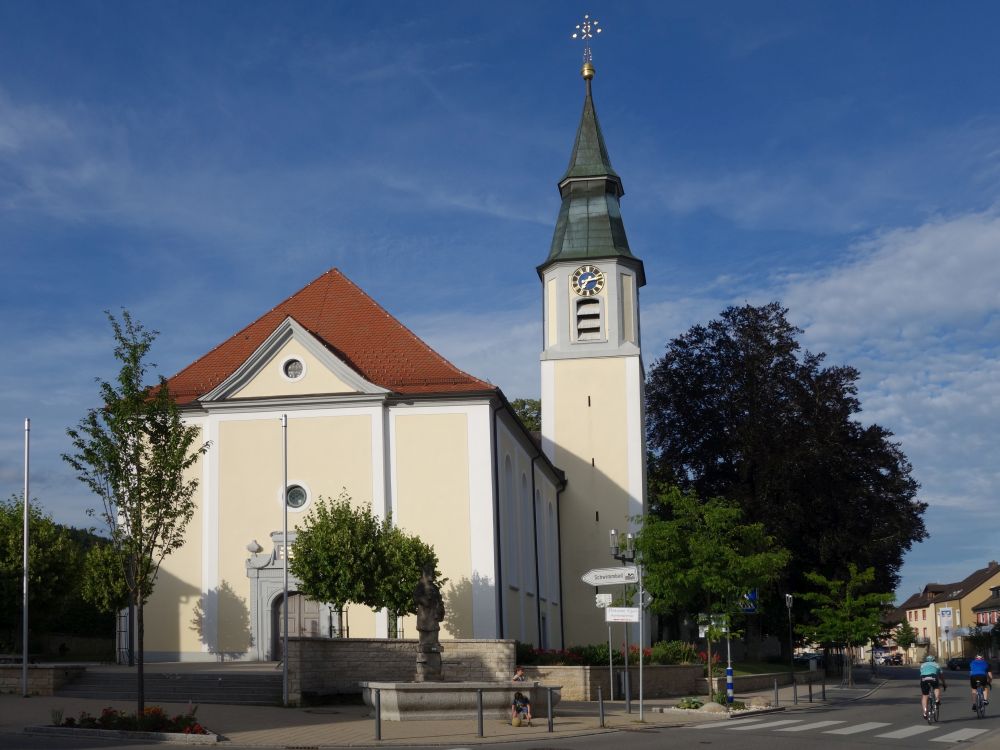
980	702
933	707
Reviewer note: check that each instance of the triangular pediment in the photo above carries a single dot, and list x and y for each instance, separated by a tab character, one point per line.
267	372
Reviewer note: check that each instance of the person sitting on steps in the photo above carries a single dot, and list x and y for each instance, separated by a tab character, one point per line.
520	710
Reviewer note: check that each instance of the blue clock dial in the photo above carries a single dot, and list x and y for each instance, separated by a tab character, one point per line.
588	280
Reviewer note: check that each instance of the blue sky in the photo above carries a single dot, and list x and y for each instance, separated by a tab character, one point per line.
199	162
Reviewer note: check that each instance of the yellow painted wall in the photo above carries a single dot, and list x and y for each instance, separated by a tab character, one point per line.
596	496
271	382
170	615
432	501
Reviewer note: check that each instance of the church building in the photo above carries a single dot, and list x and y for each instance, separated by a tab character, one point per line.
375	413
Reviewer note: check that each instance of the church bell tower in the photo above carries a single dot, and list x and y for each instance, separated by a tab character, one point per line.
591	369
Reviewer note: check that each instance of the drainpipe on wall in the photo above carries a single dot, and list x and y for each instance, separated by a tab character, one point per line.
496	521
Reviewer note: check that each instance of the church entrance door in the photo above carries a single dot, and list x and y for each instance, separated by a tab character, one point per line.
303	620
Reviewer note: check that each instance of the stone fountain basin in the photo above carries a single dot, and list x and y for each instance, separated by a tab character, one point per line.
414	701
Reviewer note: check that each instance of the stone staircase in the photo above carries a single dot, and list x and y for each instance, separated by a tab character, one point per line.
237	688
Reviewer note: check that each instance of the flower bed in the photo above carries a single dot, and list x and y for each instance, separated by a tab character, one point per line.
154	719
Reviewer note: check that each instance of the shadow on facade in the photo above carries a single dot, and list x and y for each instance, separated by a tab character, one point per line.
460	600
222	622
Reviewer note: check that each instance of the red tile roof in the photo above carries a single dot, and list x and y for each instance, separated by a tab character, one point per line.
355	328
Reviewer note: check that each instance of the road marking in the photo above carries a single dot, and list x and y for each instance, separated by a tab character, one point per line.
866	727
766	725
808	727
715	724
960	736
908	732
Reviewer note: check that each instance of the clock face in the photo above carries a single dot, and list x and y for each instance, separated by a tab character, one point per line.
588	280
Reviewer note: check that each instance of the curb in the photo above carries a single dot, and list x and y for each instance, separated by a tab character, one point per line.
121	734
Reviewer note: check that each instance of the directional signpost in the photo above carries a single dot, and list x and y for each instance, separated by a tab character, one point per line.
621	614
611	576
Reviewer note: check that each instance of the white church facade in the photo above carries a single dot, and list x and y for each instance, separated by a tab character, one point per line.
373	412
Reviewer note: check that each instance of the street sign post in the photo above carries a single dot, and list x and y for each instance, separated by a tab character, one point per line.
621	614
603	600
611	576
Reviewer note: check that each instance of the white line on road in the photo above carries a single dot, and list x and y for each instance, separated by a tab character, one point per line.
866	727
960	736
718	724
808	727
908	732
766	725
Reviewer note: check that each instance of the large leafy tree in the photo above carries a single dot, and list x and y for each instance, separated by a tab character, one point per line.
529	411
136	454
702	557
343	553
737	410
846	612
53	564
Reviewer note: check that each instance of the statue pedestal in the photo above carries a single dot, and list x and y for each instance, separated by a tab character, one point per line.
428	667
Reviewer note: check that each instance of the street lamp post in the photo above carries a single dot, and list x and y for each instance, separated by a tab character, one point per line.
628	554
791	647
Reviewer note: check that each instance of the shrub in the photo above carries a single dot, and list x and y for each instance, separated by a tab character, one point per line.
154	719
693	703
674	652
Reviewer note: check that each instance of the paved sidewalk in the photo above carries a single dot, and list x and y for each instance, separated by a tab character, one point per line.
350	725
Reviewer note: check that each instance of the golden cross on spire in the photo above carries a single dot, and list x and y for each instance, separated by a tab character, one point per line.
585	31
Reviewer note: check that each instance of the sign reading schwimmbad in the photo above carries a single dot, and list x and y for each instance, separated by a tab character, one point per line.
611	576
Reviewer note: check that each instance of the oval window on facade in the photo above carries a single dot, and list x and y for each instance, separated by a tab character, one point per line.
293	369
296	496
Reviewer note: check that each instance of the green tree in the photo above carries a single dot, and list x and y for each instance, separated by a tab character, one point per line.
136	454
53	570
905	635
846	613
342	553
980	639
529	411
736	410
104	582
702	557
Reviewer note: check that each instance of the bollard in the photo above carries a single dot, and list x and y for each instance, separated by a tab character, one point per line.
479	712
795	691
823	688
600	707
378	713
775	692
810	692
549	707
729	688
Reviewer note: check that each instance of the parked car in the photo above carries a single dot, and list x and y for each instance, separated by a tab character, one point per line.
958	663
896	659
806	657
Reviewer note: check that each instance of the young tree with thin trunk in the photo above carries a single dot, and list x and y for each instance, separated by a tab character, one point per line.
847	613
136	454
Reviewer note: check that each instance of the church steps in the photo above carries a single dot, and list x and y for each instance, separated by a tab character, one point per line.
242	689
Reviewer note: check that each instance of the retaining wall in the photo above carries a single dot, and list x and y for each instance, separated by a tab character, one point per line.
42	679
659	681
320	667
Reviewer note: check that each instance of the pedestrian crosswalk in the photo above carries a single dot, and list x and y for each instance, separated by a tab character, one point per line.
881	729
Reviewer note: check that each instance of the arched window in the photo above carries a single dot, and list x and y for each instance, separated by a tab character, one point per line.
527	537
508	528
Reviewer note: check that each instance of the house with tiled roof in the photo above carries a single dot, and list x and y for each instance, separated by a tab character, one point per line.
942	613
327	393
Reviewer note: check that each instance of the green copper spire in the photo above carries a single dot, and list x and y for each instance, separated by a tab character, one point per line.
590	222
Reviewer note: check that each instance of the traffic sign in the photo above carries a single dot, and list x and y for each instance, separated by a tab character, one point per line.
611	576
621	614
647	599
603	600
748	602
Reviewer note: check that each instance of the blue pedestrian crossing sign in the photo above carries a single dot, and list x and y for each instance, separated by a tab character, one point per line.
748	602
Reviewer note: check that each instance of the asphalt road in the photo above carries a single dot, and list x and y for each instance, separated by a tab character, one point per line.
888	718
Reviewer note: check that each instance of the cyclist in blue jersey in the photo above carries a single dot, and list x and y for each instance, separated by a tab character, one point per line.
979	674
931	678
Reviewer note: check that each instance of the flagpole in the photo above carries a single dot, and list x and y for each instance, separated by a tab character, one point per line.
284	531
24	622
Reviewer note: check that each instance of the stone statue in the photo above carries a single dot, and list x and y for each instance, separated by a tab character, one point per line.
430	612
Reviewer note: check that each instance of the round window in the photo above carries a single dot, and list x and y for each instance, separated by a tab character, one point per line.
293	369
296	496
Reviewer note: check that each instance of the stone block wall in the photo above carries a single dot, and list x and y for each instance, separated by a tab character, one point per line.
659	681
42	680
329	666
